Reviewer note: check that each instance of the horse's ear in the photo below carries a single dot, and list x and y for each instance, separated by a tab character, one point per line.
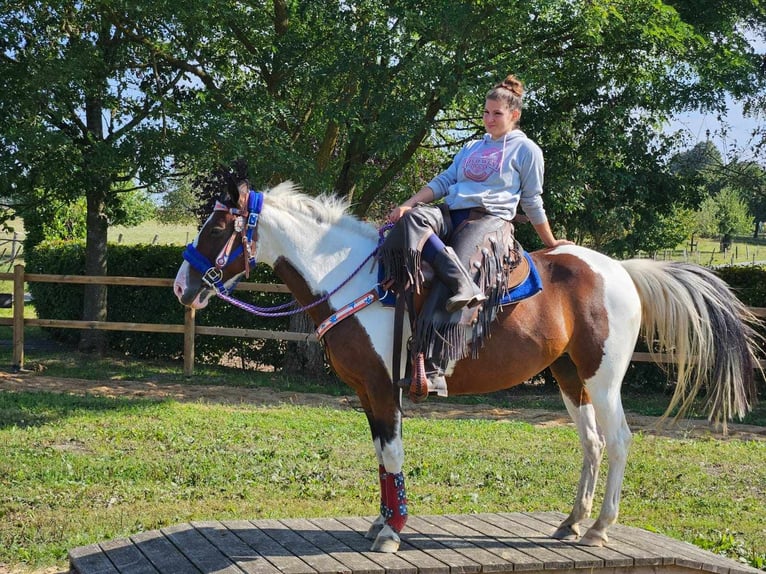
243	187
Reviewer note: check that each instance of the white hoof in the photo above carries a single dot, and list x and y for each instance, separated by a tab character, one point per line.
387	541
567	532
375	528
594	538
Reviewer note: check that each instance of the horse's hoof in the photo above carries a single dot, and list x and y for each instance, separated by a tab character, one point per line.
595	539
567	532
387	541
375	528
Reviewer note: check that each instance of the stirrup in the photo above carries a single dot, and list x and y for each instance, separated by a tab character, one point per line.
421	385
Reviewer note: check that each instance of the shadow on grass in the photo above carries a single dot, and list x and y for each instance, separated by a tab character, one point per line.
29	409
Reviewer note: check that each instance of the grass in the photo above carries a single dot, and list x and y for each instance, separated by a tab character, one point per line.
707	252
75	470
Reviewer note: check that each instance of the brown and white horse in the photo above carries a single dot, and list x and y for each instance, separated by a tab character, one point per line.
584	325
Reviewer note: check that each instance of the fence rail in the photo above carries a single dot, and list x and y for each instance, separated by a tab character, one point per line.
189	329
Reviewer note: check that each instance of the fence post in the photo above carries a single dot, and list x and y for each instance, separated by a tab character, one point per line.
189	341
18	317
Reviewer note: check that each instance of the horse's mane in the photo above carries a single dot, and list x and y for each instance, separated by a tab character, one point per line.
325	208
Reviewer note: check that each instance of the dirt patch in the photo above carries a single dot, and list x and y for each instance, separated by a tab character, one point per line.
432	408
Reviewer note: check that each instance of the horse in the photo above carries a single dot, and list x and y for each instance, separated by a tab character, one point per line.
584	325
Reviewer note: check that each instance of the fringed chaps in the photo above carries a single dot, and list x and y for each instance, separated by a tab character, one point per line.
401	252
484	244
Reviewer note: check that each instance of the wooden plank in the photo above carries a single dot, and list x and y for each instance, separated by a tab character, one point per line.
126	557
90	560
18	317
354	538
162	553
409	560
449	544
640	556
531	542
105	325
310	554
505	545
611	557
685	554
322	538
441	545
199	550
245	557
490	561
580	557
280	557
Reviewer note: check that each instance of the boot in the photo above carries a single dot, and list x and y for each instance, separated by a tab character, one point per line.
453	274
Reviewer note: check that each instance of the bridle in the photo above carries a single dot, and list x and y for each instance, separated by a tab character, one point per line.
245	224
245	227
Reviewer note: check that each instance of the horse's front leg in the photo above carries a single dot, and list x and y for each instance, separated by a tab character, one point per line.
387	437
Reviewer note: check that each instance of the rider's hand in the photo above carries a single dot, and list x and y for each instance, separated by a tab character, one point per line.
397	213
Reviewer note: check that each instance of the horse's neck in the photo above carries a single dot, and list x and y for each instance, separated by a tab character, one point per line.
323	256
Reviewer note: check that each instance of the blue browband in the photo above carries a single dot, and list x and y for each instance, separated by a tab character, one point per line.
212	274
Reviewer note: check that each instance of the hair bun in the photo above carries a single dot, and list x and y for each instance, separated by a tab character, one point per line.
513	84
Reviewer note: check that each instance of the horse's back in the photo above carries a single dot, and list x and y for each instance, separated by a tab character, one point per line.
588	308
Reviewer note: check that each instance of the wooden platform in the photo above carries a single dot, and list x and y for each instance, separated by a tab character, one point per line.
456	544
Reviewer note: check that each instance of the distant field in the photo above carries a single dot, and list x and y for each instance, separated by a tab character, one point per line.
153	232
708	253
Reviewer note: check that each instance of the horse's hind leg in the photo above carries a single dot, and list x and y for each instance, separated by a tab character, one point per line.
600	420
611	420
577	401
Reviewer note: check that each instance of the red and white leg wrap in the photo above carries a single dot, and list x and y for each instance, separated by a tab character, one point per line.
393	499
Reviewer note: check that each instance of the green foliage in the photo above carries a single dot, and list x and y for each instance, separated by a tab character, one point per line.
179	204
734	193
748	282
152	304
54	219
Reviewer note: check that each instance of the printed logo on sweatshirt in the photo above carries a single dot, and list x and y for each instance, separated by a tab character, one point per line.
482	163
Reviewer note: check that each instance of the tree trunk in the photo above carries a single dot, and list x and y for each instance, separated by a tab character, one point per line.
95	296
304	359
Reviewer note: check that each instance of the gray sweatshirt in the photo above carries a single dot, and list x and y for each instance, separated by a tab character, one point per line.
497	175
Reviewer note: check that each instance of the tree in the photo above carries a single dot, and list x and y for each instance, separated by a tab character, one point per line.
343	96
734	191
83	111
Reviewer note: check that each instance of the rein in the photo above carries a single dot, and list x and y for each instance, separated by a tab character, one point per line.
212	274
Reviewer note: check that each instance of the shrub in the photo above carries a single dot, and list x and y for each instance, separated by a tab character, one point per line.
152	304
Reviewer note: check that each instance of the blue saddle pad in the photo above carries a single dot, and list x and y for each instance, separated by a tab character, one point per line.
530	286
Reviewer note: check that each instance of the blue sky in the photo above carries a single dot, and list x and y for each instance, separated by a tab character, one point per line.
738	139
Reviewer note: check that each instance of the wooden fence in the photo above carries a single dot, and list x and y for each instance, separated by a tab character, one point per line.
188	329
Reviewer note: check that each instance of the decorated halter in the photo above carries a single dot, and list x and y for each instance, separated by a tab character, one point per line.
245	225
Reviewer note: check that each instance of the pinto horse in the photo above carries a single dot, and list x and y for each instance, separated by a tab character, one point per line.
584	325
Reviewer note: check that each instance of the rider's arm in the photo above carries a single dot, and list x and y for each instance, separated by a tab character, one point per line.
546	235
425	195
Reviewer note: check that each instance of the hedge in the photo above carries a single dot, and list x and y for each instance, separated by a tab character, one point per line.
153	304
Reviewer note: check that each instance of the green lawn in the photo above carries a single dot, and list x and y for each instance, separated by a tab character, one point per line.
75	470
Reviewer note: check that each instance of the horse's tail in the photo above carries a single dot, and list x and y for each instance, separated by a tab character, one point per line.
689	313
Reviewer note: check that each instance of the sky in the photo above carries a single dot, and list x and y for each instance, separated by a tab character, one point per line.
738	139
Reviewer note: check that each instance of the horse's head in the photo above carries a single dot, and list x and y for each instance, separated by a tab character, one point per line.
224	249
